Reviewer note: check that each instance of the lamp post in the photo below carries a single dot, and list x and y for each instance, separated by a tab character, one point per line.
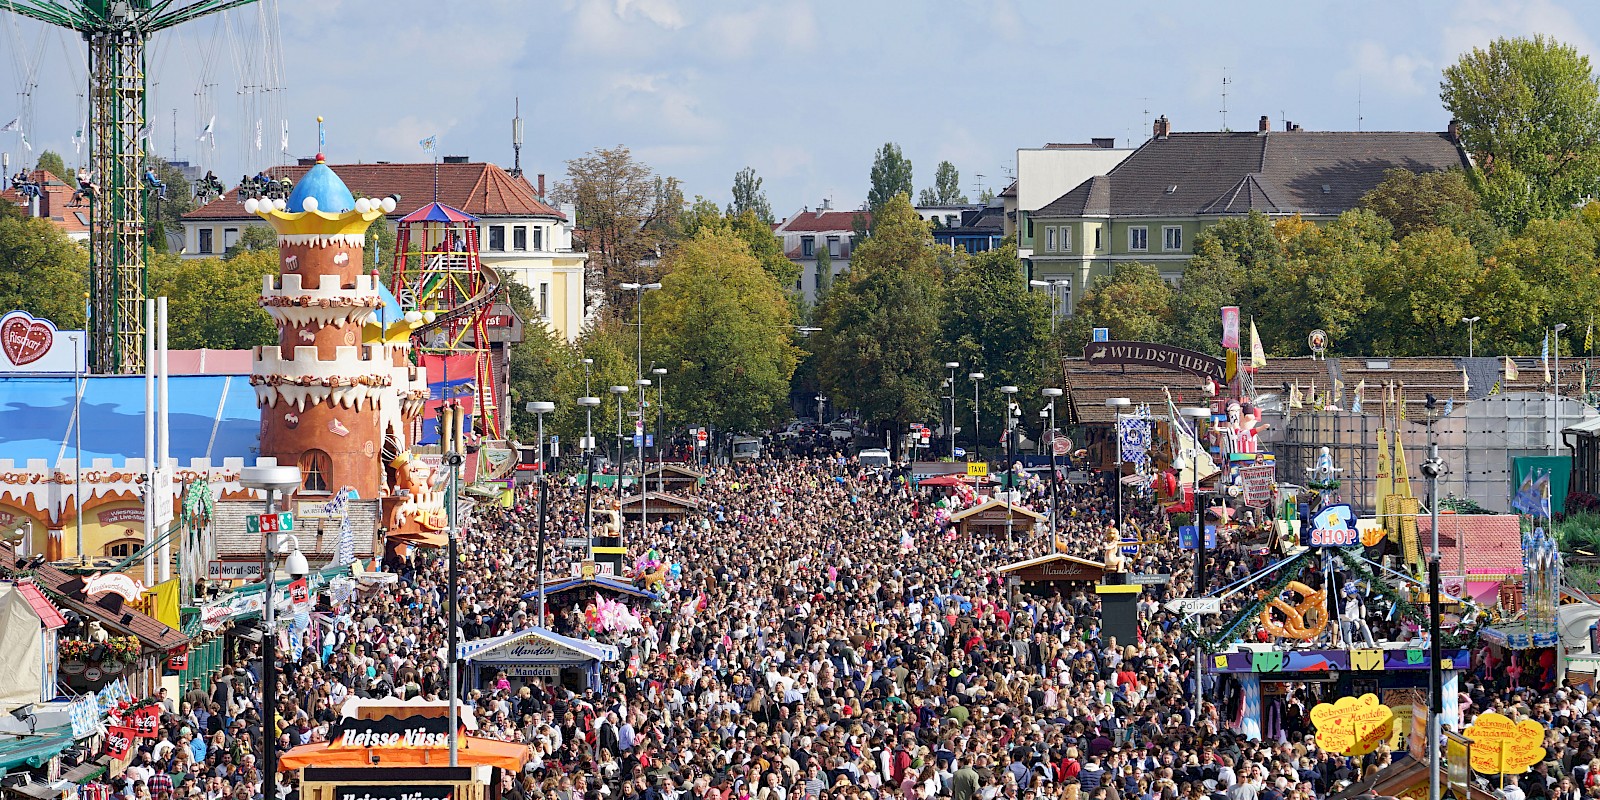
951	384
977	440
1433	468
644	499
618	391
273	480
661	410
1011	434
1051	393
588	404
540	409
1555	438
640	289
1117	404
821	398
1055	299
1470	322
1196	416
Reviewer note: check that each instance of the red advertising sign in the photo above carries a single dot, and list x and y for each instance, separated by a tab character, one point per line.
179	660
299	594
118	741
147	722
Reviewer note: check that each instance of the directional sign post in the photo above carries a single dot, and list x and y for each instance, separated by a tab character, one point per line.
1195	605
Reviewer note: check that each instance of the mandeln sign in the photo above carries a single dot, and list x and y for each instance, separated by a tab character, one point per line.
1150	354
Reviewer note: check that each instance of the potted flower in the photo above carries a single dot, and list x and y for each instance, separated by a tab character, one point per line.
74	654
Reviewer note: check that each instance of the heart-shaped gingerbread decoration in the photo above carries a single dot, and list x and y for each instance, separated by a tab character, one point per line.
25	339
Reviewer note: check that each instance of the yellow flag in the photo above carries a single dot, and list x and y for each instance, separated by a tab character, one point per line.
1258	354
1294	395
1400	401
1385	480
1466	384
1338	391
1511	369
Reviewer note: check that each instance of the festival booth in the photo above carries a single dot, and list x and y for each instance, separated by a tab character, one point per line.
658	504
584	590
990	517
386	751
1054	570
536	653
675	478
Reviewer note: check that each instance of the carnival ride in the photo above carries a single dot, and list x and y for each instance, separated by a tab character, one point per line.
438	275
117	33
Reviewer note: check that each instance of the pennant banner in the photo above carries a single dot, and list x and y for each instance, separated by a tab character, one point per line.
1230	327
1133	440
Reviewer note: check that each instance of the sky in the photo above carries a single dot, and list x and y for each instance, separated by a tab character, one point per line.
803	91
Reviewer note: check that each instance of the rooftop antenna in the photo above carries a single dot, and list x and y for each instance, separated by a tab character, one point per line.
1146	116
174	134
1359	117
979	176
1226	82
516	141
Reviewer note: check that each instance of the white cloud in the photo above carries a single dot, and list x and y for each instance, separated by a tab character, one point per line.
1476	23
735	36
662	101
1379	72
663	13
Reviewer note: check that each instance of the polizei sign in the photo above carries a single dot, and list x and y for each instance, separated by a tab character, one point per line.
1149	354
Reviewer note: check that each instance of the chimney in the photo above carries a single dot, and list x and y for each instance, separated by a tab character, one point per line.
1264	125
541	186
1162	128
1453	131
1103	142
827	204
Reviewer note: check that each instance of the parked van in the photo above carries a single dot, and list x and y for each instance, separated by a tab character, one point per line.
746	448
874	457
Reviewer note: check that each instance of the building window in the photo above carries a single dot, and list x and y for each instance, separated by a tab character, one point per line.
316	470
205	242
544	301
497	238
1171	238
1066	240
1049	240
1139	238
808	246
1097	244
1063	299
833	247
538	237
122	549
1028	227
230	237
519	237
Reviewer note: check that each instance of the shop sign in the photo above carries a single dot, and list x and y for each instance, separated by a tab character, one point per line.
1335	526
1150	354
532	670
390	732
30	344
1257	481
443	791
1458	762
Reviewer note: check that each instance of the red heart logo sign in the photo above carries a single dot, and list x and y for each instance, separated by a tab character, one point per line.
25	339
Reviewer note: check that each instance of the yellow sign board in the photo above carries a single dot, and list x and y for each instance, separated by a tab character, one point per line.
1503	747
978	469
1458	763
1353	726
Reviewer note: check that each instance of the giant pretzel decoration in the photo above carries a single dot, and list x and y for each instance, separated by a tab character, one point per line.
1305	620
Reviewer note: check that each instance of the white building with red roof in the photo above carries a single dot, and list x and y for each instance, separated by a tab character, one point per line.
807	233
520	233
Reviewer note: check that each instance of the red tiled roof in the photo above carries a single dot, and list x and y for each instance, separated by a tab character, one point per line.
54	197
1493	542
480	189
152	632
821	221
48	613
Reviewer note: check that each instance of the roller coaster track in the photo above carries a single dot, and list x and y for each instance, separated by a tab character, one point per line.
473	305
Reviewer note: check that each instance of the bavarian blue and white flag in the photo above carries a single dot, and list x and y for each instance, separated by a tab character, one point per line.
428	144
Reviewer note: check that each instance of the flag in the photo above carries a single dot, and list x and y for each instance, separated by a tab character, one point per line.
207	130
144	132
1294	395
1466	383
1511	369
1545	356
1400	404
1449	405
258	134
1542	486
25	141
13	125
428	144
1230	327
1258	354
1588	337
1526	499
1338	391
283	138
1495	389
1355	405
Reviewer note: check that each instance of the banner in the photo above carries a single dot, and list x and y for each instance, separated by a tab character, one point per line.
1148	354
1258	354
1230	327
118	741
1257	481
146	722
1133	440
299	593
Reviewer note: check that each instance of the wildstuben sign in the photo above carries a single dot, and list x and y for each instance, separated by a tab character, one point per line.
1150	354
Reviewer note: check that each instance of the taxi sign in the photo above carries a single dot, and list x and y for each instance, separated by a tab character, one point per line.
978	469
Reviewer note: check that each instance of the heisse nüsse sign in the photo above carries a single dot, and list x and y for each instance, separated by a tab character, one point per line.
389	732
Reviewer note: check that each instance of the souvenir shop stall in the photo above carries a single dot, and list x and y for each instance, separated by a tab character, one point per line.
536	653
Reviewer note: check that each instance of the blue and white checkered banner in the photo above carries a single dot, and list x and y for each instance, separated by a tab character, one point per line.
1133	440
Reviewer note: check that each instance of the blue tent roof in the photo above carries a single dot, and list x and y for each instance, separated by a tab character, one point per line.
600	582
333	197
210	416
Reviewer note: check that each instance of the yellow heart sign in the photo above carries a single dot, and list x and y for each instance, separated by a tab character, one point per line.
1503	747
1353	726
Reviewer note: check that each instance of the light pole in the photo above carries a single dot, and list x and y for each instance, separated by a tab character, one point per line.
1470	322
951	383
540	409
1555	439
588	404
1434	468
644	499
640	289
1196	416
1055	299
618	391
1117	404
821	398
661	410
273	480
1011	434
1051	393
977	440
453	460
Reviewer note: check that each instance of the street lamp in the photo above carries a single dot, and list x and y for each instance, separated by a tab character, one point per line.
806	330
1470	321
1555	438
644	499
640	289
619	391
272	480
1051	393
1011	434
661	410
821	398
951	383
1196	416
977	441
1055	298
1117	404
540	409
588	404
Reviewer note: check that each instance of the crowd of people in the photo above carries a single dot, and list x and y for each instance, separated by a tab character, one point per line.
823	636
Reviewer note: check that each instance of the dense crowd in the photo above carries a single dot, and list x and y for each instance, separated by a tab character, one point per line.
824	636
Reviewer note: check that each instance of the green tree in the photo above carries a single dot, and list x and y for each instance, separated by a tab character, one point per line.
946	189
50	161
1323	282
257	237
993	323
167	212
891	176
880	324
219	301
1219	274
748	196
536	362
1529	111
824	273
42	271
1422	297
378	253
1133	300
720	326
986	196
1412	202
624	213
1556	259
